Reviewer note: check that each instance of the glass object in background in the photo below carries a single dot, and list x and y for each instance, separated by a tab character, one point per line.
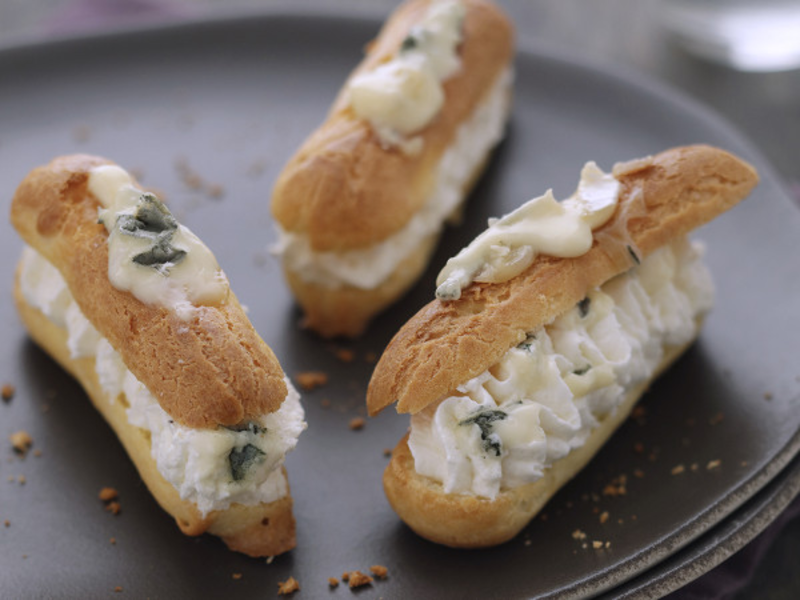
749	35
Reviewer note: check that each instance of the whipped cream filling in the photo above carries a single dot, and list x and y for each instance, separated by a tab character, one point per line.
212	468
503	428
369	267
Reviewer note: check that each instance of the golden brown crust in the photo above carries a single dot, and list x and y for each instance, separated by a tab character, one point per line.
346	310
258	530
342	188
447	343
469	521
211	370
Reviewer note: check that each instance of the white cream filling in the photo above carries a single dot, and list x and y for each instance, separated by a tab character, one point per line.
370	267
504	427
198	462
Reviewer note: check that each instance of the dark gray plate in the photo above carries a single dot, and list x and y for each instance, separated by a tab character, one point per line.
233	99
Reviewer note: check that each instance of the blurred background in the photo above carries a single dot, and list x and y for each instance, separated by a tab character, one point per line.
652	36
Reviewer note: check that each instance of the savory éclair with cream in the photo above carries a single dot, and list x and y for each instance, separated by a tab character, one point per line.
137	309
362	203
545	332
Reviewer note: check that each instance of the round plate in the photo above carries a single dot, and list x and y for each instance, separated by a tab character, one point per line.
208	113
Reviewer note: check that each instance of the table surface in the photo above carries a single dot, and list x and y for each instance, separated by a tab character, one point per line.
624	34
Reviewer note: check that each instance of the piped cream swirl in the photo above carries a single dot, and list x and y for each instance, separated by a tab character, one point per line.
503	428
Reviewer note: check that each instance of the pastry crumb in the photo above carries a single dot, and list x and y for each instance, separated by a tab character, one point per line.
21	479
113	541
767	395
345	355
716	419
693	467
107	494
617	487
37	453
7	523
114	507
370	358
603	517
638	473
118	589
333	582
597	545
8	392
357	423
713	464
310	380
578	535
638	447
358	579
678	469
379	571
21	441
290	586
236	576
270	559
387	452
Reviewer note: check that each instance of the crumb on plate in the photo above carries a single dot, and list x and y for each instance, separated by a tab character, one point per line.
8	392
379	571
578	535
345	355
357	579
21	441
357	423
107	494
290	586
309	380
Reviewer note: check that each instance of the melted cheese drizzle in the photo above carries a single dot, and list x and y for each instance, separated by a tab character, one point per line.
403	95
194	280
540	226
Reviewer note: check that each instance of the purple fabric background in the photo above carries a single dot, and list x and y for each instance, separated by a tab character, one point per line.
723	582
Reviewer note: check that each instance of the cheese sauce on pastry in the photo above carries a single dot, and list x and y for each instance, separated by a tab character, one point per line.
540	226
404	95
212	468
150	254
543	398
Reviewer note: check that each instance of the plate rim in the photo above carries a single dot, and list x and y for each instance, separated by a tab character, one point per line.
715	515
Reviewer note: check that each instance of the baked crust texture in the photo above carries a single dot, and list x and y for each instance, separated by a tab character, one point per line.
265	529
210	370
346	191
448	343
470	521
